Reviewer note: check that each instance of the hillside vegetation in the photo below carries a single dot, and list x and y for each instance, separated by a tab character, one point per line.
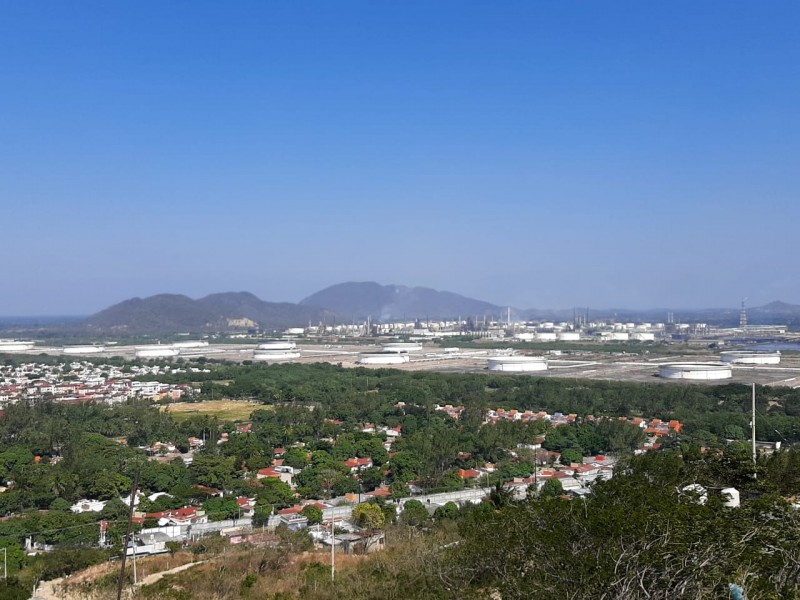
638	524
637	536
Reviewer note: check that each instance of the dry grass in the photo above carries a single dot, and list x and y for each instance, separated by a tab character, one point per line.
225	410
267	573
100	581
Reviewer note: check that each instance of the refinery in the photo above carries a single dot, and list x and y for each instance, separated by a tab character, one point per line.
581	348
573	354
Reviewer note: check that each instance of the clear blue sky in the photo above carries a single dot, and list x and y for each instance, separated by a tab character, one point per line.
542	154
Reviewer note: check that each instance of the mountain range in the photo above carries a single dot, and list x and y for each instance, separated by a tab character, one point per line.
171	313
362	300
358	301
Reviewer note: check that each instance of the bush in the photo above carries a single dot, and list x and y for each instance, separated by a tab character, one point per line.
13	589
414	513
295	541
312	513
63	561
209	545
248	582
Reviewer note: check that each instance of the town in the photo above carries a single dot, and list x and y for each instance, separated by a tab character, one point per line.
351	463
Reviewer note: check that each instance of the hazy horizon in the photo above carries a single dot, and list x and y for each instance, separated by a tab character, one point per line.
628	155
501	305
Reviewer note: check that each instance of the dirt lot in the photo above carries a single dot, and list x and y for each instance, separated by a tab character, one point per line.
226	410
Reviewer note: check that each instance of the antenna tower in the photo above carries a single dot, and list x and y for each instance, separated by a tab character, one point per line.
743	316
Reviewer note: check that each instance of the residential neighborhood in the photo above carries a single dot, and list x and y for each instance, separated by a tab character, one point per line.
83	381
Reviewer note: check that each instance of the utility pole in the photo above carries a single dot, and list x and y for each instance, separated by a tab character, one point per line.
333	552
121	580
134	563
753	425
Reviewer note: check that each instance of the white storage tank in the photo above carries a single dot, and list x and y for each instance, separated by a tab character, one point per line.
295	331
275	355
278	345
695	371
615	336
157	352
569	336
383	358
518	364
546	336
83	349
746	357
402	347
525	337
15	346
190	344
642	336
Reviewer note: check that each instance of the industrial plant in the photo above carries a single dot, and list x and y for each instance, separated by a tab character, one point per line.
583	347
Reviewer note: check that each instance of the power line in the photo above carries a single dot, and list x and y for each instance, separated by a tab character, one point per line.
772	426
31	533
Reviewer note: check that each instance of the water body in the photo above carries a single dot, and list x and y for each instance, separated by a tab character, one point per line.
11	322
777	346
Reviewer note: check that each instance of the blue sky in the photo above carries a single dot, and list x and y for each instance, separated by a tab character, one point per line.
542	154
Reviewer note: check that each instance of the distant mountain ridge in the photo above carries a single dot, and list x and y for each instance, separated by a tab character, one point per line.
171	313
367	299
355	301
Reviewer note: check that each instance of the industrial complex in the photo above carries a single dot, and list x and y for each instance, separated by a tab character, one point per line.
573	354
609	350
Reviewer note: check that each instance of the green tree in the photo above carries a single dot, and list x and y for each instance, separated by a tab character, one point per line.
447	511
368	516
570	456
399	490
371	478
275	492
213	470
219	509
414	513
389	512
500	496
552	488
312	513
345	484
261	513
405	466
15	556
734	432
115	510
297	458
600	541
60	504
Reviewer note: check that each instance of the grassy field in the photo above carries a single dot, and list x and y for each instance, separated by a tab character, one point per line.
225	410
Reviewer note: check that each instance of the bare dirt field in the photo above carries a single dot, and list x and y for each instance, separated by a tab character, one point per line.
225	410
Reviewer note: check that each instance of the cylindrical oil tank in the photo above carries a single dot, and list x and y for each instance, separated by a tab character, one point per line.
383	358
275	355
277	345
746	357
402	347
695	371
15	346
83	349
518	364
156	352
